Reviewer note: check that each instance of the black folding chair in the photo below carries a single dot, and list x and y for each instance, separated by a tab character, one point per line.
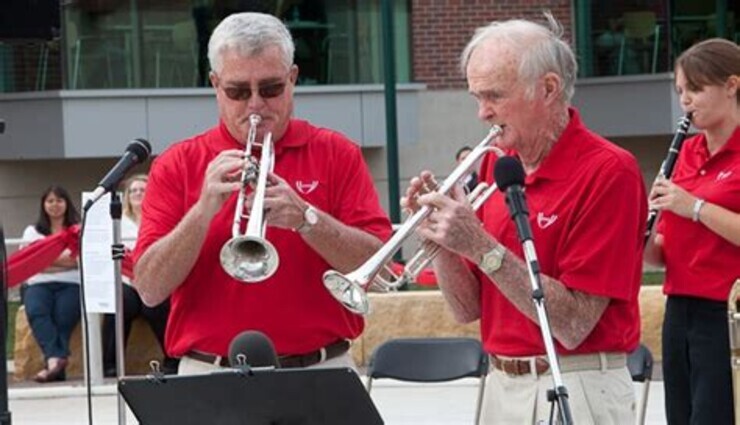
640	365
430	360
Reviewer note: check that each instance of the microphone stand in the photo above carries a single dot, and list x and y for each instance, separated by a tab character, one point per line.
559	394
5	417
117	252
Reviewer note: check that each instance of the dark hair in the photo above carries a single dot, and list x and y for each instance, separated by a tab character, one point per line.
461	150
71	216
710	63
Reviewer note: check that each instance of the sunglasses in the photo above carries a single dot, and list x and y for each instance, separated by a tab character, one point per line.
267	91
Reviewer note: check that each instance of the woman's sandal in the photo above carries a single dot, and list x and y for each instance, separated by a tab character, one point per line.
52	373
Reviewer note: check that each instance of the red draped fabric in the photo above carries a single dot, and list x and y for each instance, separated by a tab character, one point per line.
40	254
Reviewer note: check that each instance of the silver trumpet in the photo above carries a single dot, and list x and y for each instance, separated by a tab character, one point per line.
351	289
250	257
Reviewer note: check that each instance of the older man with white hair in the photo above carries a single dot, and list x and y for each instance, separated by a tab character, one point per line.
587	206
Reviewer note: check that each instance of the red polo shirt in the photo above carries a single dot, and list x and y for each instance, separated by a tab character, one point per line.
699	262
292	307
587	208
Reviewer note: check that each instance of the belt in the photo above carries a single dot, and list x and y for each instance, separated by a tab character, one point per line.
571	363
332	350
520	367
335	349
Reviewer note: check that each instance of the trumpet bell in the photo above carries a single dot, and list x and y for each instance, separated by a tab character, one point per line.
347	292
249	259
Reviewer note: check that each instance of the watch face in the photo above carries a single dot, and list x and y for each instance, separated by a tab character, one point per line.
491	261
311	216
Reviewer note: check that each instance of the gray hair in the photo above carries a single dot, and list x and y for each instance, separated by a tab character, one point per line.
249	34
542	50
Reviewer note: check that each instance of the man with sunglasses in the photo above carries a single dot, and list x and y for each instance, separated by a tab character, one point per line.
321	210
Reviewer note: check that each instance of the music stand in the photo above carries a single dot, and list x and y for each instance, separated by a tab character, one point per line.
252	397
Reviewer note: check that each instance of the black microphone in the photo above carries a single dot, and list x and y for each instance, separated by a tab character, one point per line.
509	175
252	349
136	152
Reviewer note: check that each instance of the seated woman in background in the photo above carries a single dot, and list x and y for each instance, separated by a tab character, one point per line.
133	307
52	298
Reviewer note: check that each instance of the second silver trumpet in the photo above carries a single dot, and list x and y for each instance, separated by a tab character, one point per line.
249	257
351	289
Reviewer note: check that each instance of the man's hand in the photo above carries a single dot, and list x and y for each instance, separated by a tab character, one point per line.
221	180
452	223
284	208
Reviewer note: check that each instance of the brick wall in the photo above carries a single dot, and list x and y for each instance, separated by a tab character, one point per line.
442	28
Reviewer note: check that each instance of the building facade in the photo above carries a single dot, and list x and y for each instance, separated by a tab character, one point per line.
80	78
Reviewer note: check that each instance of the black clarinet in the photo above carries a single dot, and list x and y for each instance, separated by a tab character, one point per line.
666	168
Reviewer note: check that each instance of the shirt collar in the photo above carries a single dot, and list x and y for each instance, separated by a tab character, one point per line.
732	144
558	164
296	135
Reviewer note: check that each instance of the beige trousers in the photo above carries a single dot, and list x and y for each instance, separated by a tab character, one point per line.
599	389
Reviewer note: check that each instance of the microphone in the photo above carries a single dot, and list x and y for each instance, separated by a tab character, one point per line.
509	175
252	349
136	152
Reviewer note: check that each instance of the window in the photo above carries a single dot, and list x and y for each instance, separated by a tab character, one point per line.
163	43
626	37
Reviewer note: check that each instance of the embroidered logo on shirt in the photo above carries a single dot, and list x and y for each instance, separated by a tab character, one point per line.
306	188
723	175
544	221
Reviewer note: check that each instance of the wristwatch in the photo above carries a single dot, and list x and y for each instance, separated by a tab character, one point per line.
310	218
492	260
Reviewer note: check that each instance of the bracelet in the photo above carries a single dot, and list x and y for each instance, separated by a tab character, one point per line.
697	207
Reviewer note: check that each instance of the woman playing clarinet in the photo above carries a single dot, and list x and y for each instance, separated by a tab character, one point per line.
697	238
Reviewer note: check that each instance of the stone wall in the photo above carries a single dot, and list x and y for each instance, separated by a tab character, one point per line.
405	315
396	315
425	314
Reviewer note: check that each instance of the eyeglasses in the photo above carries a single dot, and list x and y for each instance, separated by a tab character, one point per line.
266	91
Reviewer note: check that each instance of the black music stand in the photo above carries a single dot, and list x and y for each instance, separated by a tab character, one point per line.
252	397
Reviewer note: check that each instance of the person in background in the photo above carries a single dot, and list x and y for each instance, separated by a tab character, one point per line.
471	180
321	212
697	238
522	75
133	307
52	298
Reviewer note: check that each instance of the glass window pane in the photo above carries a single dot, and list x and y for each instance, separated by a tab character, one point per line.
163	43
622	37
29	46
645	36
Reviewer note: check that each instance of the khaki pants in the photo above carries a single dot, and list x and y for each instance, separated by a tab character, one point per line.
189	366
599	388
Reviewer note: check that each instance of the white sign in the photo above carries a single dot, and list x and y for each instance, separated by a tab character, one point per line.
97	262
